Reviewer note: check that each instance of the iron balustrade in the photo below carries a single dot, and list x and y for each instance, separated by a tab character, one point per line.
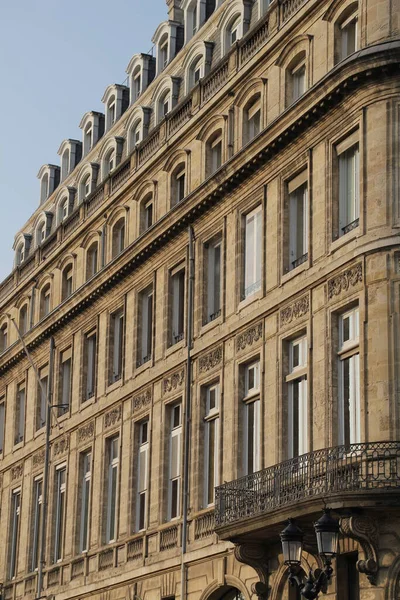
356	468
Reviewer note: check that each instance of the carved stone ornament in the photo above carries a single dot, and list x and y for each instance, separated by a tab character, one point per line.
112	417
249	337
299	308
174	381
342	282
86	432
365	531
210	360
255	555
142	400
61	446
38	459
17	472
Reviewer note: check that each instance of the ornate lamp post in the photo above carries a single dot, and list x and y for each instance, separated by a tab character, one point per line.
327	533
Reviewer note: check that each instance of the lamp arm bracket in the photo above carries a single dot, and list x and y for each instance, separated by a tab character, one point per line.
364	530
256	556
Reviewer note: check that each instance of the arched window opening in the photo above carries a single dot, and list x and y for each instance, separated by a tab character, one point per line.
109	162
296	78
136	83
23	319
196	71
252	119
210	8
118	237
66	290
63	211
87	138
20	255
92	260
164	105
346	33
178	184
163	53
65	164
233	32
3	337
44	188
85	185
214	153
111	112
136	134
45	301
232	594
40	233
146	213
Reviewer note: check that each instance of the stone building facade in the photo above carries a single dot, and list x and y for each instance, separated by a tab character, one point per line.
272	130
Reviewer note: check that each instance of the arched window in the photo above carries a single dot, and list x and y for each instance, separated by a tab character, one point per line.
66	284
3	337
20	254
211	5
164	105
23	319
44	188
118	237
346	33
63	210
109	163
296	78
85	187
196	71
252	119
65	164
233	32
40	233
146	212
136	83
111	112
163	52
87	138
45	301
178	184
214	153
92	259
136	134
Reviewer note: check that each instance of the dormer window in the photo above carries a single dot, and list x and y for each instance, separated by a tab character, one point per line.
65	164
92	125
111	112
87	140
44	188
40	234
71	153
111	161
86	186
168	40
64	209
20	257
49	176
141	72
233	32
196	72
164	53
137	86
136	134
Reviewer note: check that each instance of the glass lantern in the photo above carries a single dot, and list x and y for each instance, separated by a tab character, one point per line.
327	532
292	544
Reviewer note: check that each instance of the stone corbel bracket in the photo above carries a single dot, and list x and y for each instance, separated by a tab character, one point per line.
365	531
255	555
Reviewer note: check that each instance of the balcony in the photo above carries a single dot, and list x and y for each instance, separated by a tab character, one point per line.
358	475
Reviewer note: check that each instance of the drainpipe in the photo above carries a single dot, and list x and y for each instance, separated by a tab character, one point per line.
186	451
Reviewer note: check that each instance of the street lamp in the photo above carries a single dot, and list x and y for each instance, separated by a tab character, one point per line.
327	533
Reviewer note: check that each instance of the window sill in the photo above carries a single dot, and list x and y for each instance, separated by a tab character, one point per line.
144	366
17	446
114	386
175	347
85	403
345	239
288	275
211	324
246	301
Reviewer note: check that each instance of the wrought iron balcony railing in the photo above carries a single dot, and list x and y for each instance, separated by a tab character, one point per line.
357	468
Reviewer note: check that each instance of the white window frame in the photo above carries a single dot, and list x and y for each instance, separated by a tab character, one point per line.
143	466
298	194
344	27
60	499
15	529
348	156
90	348
213	279
349	350
297	380
253	120
251	413
298	77
211	454
146	312
19	432
2	423
178	299
117	341
65	381
175	471
85	507
252	276
37	519
112	490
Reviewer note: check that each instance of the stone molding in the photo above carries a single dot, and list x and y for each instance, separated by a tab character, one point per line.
364	530
142	400
249	337
17	471
112	417
86	432
173	382
38	459
344	281
61	446
294	311
256	556
211	360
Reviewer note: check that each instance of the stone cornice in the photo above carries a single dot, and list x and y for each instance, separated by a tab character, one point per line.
352	73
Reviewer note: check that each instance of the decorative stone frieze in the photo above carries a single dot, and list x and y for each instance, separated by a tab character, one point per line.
294	311
38	459
17	471
61	446
85	433
344	281
249	337
364	530
173	382
142	400
211	360
112	417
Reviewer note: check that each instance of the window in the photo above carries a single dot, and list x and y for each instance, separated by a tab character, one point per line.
252	252
92	260
175	442
251	417
45	301
41	402
178	185
118	237
214	153
64	210
40	234
109	162
142	475
44	188
349	378
23	319
145	326
89	365
298	221
85	187
20	257
252	119
37	521
164	105
14	532
296	78
112	488
111	112
164	52
19	421
146	213
87	139
348	34
297	398
349	182
2	423
59	515
116	347
211	423
210	8
194	19
177	308
137	134
347	576
233	33
137	85
65	386
3	337
84	495
213	279
196	72
66	290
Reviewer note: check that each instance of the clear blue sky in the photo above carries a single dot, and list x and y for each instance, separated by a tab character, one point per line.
56	59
